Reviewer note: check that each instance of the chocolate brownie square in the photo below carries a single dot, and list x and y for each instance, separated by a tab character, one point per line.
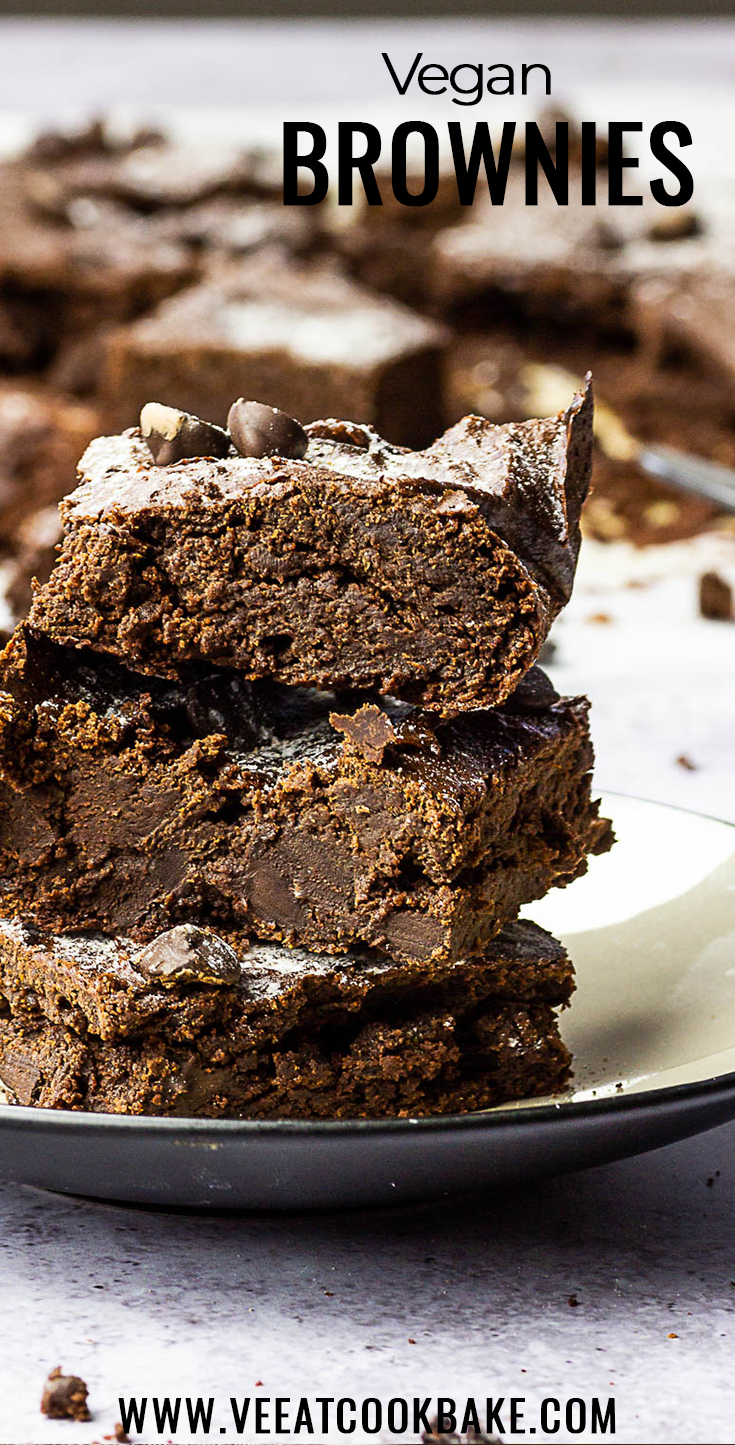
42	436
299	336
35	550
432	575
98	1024
63	278
150	173
129	803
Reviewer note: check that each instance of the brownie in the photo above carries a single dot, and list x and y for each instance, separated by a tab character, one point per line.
393	259
86	1025
129	803
388	247
62	278
430	575
149	174
693	314
639	294
298	335
238	225
495	374
36	547
564	263
42	436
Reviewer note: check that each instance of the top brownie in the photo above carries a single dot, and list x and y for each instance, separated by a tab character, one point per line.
432	575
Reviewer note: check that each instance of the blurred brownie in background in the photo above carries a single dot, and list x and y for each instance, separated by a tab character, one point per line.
636	294
298	335
42	437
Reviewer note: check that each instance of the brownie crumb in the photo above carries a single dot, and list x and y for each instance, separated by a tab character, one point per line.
685	762
433	1436
716	598
603	618
572	1301
64	1397
118	1435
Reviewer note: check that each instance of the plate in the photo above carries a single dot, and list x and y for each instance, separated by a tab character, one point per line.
651	929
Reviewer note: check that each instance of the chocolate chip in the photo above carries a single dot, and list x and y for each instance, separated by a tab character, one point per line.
174	435
187	954
534	693
264	431
65	1397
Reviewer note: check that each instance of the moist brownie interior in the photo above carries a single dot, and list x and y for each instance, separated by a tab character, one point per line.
129	804
431	575
299	1036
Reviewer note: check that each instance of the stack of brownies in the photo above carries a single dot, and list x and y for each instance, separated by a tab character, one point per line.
278	772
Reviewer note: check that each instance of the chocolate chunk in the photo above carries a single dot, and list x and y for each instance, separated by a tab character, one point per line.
187	954
369	731
534	693
715	598
65	1397
372	730
174	435
264	431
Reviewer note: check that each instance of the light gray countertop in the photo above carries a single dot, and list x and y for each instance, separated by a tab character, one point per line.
147	1303
469	1297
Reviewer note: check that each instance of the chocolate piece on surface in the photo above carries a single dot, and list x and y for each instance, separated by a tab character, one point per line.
264	431
176	436
433	576
302	1035
716	598
187	954
124	807
65	1397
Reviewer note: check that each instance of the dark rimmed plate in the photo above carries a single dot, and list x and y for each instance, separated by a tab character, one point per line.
651	929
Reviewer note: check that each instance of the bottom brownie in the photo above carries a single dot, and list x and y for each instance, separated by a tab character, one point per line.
186	1027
